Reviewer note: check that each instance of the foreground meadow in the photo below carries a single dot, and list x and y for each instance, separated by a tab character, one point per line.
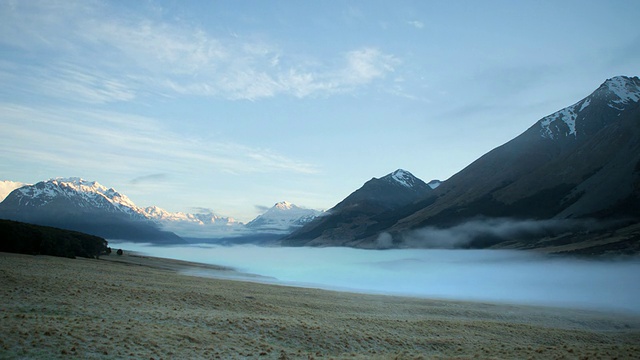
140	307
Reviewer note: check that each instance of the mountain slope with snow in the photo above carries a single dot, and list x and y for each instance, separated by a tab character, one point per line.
86	206
65	201
378	203
201	225
283	218
581	162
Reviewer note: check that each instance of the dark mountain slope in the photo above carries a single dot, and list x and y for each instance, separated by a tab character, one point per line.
579	162
364	212
576	171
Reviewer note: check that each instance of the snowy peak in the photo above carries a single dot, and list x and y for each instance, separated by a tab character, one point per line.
622	89
402	177
81	193
283	205
614	95
283	217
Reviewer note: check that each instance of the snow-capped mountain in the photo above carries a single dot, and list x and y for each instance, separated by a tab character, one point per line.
403	178
579	165
373	205
76	204
613	96
162	215
6	187
83	193
83	196
283	217
201	225
87	206
581	162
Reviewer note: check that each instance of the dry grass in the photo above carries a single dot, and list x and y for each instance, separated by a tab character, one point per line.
143	308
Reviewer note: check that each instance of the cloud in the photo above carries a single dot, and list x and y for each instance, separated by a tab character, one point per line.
261	208
485	232
201	210
148	178
83	42
384	241
417	24
129	144
367	64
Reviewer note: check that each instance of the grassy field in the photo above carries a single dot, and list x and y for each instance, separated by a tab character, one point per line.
139	307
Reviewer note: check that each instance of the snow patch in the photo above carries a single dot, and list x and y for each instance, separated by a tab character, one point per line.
403	177
282	217
567	115
586	103
624	88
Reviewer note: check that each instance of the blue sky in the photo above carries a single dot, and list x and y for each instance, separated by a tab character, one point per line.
235	105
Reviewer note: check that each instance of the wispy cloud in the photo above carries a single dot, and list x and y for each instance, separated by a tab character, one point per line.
148	178
128	144
83	41
365	65
416	24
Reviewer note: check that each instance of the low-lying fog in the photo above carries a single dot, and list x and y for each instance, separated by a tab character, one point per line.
480	275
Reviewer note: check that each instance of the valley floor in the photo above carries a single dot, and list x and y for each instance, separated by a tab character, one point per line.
139	307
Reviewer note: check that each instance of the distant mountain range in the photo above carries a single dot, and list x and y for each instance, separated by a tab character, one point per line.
570	177
87	206
282	218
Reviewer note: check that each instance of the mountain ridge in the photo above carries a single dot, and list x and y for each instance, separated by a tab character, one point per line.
580	162
362	210
90	198
283	217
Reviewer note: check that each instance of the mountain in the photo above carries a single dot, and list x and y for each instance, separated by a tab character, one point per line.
282	218
364	212
78	204
572	177
200	225
434	183
85	206
582	161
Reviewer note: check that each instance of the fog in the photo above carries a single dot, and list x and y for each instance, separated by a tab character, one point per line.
501	276
483	232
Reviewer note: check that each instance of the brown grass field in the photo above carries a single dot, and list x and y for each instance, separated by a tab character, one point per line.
144	308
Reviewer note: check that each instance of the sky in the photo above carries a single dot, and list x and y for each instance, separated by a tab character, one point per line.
232	106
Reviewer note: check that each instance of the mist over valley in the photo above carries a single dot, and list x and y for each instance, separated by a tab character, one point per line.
501	276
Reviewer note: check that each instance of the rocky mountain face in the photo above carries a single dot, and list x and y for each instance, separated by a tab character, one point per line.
582	162
86	206
364	212
282	218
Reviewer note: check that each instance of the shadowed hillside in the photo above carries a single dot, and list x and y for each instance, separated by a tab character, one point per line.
25	238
